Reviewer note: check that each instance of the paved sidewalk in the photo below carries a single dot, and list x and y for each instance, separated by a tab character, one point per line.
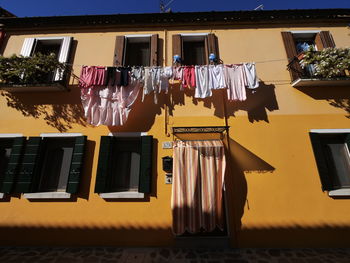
138	255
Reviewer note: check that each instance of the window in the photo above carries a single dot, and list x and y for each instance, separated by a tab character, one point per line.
136	50
51	166
46	45
194	49
296	42
124	166
331	149
11	146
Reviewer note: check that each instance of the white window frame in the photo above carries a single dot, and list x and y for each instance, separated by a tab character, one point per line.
125	194
28	46
52	195
9	135
343	191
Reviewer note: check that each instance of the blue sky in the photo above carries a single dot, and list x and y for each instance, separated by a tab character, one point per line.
23	8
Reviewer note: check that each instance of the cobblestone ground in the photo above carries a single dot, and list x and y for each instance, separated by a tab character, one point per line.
138	255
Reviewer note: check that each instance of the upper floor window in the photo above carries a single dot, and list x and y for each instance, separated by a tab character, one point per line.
297	42
194	49
136	50
60	46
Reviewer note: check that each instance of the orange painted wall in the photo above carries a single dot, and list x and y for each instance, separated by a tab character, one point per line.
274	195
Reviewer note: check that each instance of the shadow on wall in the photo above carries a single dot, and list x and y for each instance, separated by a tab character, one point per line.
59	109
240	160
338	97
142	115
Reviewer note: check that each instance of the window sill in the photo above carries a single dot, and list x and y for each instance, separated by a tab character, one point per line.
321	82
56	86
47	195
340	192
121	195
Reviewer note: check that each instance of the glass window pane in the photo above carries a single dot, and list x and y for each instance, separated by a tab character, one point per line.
137	52
194	53
341	160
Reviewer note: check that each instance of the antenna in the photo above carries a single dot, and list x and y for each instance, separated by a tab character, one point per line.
260	7
163	6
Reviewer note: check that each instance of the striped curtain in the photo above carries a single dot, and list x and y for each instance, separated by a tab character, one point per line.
198	177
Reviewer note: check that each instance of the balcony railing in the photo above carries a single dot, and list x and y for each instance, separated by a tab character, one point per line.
26	74
305	76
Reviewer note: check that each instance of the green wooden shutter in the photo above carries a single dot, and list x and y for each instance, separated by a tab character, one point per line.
76	164
321	161
145	180
13	165
104	163
29	167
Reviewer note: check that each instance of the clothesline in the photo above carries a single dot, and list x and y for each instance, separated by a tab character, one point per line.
108	93
256	62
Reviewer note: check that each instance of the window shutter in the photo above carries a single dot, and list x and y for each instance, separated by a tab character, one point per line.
321	161
104	163
76	164
177	46
324	40
13	165
154	50
29	167
291	52
212	46
146	164
119	51
27	47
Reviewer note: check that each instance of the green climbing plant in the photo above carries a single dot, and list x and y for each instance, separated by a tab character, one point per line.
329	62
38	68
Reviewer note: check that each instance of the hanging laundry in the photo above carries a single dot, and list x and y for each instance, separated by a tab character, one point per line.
216	77
202	82
124	76
113	76
165	75
189	77
236	82
250	72
92	76
138	73
109	105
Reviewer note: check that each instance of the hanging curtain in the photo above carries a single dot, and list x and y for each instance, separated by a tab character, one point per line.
198	177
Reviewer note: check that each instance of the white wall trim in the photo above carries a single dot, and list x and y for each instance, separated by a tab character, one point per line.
116	195
2	195
142	35
304	31
340	192
60	134
127	134
330	130
10	135
47	195
194	34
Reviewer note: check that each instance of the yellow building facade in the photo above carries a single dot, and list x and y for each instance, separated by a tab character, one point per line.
273	193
